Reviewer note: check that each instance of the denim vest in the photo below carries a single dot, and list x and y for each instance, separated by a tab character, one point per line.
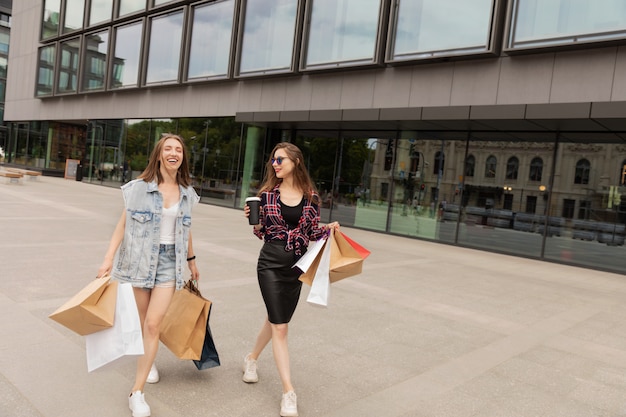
137	257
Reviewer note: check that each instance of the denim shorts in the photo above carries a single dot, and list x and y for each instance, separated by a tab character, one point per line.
165	276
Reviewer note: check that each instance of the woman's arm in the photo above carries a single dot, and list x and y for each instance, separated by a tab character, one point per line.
191	260
116	240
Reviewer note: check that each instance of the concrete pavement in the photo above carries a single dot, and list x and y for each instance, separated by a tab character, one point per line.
426	330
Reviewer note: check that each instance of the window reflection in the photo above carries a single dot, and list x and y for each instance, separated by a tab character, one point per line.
131	6
74	10
95	61
101	11
342	31
211	39
582	172
427	28
268	35
45	77
127	56
165	45
50	24
68	66
536	169
512	168
543	22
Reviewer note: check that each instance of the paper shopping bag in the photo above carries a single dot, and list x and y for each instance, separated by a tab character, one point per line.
92	309
346	256
184	326
309	262
209	358
320	287
124	338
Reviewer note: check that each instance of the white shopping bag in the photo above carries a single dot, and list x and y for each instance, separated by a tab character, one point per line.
320	287
305	262
124	338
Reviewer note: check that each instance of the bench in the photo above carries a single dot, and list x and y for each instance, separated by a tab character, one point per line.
29	173
12	176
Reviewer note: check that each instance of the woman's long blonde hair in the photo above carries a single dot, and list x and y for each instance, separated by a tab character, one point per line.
153	171
301	178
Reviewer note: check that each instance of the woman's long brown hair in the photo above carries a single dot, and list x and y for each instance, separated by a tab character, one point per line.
301	178
153	170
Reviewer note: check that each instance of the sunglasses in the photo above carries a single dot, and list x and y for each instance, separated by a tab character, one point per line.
278	160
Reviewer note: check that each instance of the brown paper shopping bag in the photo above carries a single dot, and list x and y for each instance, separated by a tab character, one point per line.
346	258
91	310
184	326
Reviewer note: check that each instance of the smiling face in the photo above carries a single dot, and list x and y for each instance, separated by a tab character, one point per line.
171	155
283	166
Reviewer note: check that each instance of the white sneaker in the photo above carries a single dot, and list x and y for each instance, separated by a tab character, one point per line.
289	405
249	370
153	376
138	404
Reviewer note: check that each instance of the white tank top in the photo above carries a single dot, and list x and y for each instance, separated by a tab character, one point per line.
168	225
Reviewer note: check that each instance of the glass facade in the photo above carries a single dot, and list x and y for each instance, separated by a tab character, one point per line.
127	55
166	33
95	61
211	40
559	22
425	29
268	36
343	31
74	11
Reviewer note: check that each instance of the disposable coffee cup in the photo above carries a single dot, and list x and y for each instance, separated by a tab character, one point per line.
255	204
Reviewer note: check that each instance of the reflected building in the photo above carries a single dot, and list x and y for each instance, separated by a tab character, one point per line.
492	124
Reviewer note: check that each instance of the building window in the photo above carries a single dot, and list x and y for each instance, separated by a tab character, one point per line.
584	209
268	36
490	167
50	23
531	204
426	29
569	207
74	11
100	11
470	166
440	162
131	6
538	23
4	43
45	71
536	169
512	168
622	174
95	61
164	56
211	35
582	172
342	32
68	66
127	56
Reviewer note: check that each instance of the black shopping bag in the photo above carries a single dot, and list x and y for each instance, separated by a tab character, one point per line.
209	358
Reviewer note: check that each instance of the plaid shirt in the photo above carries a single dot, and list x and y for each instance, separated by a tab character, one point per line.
275	227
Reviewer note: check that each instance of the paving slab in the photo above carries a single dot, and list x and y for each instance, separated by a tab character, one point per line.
426	330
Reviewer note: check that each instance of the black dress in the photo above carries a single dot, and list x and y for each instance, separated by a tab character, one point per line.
278	279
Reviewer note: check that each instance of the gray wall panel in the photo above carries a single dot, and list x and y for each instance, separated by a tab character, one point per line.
431	85
583	76
475	82
525	79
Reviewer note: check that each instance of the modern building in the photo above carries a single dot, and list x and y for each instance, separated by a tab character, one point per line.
491	124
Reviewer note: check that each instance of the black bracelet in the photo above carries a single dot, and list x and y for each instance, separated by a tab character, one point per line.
192	258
